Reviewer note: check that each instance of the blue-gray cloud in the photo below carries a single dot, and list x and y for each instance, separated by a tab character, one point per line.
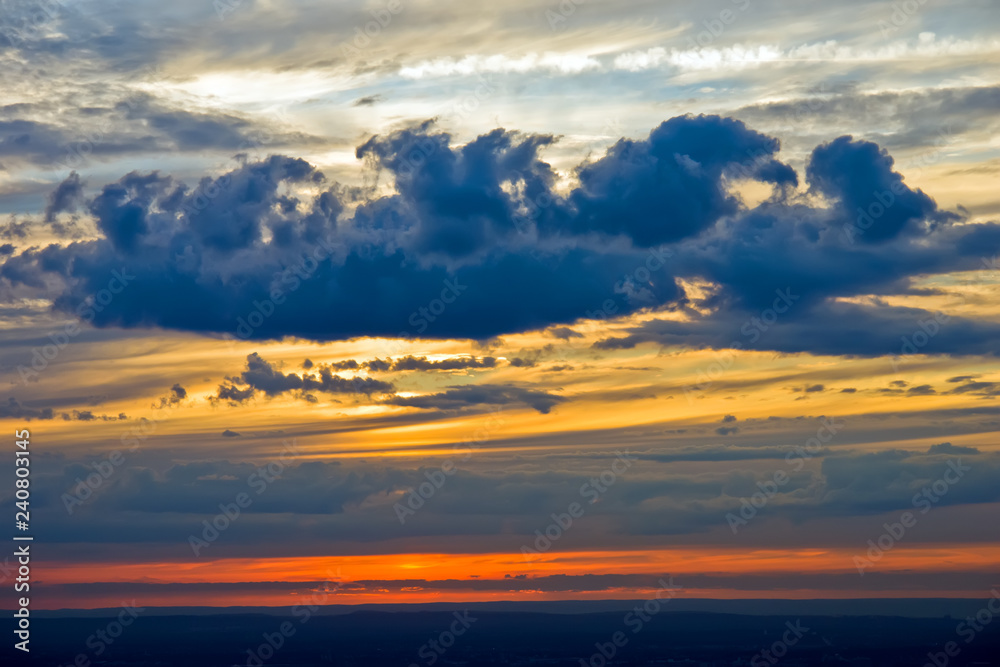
477	241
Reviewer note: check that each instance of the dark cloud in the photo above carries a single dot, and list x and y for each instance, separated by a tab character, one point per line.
948	448
975	387
14	229
367	101
476	242
234	395
176	395
12	409
716	454
89	416
891	479
262	376
487	394
859	176
452	200
835	328
65	198
410	363
201	262
669	186
305	488
41	143
565	333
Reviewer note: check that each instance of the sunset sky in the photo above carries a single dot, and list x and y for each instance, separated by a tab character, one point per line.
405	282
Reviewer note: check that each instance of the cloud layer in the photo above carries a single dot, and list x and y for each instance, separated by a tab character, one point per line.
479	240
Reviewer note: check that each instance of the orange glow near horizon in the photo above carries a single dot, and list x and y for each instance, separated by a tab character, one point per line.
433	566
391	577
649	411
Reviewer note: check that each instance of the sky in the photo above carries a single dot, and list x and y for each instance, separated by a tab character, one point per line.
423	301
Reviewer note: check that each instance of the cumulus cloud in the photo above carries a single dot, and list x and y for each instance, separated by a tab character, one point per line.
948	448
176	395
89	416
66	197
670	186
859	176
13	409
261	376
411	363
476	241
